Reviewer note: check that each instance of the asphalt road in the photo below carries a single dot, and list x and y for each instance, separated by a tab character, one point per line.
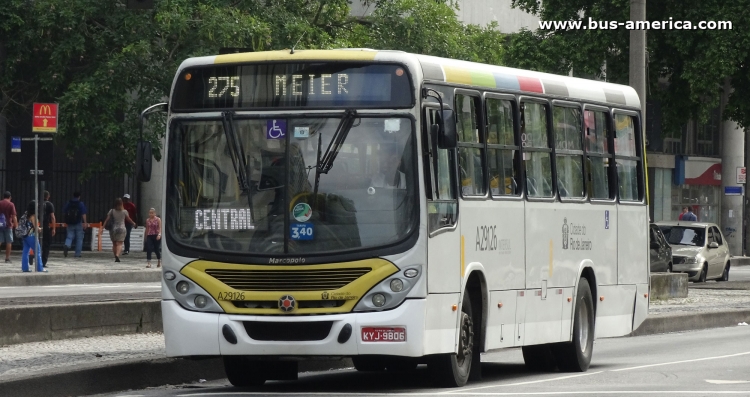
697	363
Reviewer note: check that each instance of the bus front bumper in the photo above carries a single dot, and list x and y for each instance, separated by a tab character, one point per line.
189	333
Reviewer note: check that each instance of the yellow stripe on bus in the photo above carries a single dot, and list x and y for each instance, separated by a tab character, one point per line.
300	55
551	258
463	262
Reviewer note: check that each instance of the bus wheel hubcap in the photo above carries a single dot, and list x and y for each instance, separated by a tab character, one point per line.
466	343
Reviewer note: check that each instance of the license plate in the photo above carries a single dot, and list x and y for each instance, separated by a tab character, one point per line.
383	334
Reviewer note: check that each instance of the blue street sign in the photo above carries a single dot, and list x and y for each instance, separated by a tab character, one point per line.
15	144
733	190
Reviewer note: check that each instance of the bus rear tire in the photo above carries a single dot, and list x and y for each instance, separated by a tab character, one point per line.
452	370
242	372
575	356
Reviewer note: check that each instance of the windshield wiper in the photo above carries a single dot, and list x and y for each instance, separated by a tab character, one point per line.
237	154
345	125
325	162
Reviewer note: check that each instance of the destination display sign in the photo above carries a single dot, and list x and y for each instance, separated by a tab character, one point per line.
307	85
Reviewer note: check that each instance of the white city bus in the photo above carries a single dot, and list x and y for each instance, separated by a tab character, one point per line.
398	209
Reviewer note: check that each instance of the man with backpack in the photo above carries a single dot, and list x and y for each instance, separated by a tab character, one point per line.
75	217
8	222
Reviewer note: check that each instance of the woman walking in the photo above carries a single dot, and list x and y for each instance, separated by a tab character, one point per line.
118	231
27	225
153	237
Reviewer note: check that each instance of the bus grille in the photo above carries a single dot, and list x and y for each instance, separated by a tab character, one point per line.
295	332
288	280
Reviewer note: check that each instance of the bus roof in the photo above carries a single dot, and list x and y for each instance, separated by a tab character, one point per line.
446	70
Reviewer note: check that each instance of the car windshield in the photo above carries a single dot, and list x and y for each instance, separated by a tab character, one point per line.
366	199
682	235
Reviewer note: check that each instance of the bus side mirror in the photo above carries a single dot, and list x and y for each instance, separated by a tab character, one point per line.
447	130
143	161
143	150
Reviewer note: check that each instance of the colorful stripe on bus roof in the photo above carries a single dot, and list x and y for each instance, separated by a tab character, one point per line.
504	78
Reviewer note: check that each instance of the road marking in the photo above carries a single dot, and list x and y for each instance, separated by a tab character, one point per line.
541	393
727	382
521	383
682	361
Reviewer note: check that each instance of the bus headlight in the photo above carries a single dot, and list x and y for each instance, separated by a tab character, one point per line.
378	300
390	292
200	301
183	287
189	294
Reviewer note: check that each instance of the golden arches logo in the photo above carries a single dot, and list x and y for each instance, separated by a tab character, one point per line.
45	110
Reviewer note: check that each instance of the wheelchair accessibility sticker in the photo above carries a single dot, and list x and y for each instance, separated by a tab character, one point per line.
275	129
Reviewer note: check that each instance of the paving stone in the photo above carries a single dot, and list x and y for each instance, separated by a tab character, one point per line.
37	357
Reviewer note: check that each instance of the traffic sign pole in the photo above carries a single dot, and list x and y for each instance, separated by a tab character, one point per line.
44	119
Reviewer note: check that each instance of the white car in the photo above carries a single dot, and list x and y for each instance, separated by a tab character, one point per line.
698	249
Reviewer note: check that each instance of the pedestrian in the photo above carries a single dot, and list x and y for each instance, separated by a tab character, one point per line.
690	216
75	217
28	230
684	211
8	222
153	237
118	231
130	207
48	229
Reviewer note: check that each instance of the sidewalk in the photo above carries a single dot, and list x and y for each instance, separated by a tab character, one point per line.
90	261
92	268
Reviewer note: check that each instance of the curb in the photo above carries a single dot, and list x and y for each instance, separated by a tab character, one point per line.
22	324
678	322
40	279
133	375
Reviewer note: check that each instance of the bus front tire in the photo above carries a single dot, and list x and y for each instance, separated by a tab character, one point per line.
452	370
575	356
242	372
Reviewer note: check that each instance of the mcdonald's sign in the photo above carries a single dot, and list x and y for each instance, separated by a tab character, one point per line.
44	118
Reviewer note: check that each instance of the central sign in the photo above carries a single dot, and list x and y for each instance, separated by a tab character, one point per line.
44	118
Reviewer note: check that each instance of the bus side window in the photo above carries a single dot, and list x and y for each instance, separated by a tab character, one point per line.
627	157
502	148
470	145
568	151
442	203
598	154
537	152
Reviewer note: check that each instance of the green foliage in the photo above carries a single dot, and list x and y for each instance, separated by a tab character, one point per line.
695	63
104	63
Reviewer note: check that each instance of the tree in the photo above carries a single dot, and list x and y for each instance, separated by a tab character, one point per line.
104	63
694	62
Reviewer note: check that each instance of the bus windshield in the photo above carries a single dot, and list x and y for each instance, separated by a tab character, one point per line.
366	199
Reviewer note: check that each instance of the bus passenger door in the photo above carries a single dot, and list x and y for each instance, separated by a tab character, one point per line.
444	243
